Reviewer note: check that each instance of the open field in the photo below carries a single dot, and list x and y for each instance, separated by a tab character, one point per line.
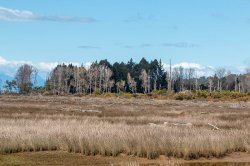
116	126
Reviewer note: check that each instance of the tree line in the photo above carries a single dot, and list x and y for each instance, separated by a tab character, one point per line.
131	77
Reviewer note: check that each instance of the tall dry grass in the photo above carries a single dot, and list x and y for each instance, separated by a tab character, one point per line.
92	136
122	126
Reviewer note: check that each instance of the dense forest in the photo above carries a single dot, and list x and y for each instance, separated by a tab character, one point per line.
131	77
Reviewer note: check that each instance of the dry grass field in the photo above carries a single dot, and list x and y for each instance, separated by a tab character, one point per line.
144	128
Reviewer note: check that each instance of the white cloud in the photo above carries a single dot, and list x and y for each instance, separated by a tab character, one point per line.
201	70
9	67
242	69
2	61
87	65
5	62
7	14
185	65
46	66
189	65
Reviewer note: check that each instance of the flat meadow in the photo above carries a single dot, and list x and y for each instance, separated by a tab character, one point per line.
115	126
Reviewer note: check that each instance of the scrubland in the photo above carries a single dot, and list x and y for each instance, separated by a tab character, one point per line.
113	126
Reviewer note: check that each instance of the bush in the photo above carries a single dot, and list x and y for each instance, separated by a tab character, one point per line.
236	95
202	94
97	92
80	94
245	98
217	95
47	93
184	96
141	95
159	92
127	95
110	94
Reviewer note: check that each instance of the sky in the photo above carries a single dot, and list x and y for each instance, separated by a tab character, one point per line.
205	34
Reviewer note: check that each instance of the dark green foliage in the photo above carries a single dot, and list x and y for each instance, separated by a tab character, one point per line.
10	86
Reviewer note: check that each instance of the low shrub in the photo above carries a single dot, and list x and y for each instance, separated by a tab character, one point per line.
47	93
216	95
81	94
97	92
127	95
235	95
110	94
159	92
184	96
202	94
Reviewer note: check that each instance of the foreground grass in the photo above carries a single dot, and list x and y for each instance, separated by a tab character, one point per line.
109	127
91	136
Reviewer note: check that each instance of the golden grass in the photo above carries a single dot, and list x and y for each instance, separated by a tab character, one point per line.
91	136
40	124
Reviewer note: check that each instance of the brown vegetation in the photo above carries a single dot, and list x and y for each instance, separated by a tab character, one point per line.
112	126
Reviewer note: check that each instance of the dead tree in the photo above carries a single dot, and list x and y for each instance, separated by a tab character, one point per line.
24	78
210	84
169	77
107	75
110	85
220	73
131	83
145	81
120	86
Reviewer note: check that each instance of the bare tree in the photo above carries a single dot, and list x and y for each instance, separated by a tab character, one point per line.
210	84
149	82
155	78
24	77
77	77
120	86
190	74
197	86
235	83
132	83
248	79
80	79
178	77
90	75
220	72
95	76
59	82
35	72
107	75
110	85
169	77
101	76
145	81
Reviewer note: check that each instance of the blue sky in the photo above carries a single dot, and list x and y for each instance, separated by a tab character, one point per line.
200	32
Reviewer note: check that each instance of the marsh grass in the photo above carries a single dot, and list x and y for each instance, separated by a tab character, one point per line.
29	124
91	136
